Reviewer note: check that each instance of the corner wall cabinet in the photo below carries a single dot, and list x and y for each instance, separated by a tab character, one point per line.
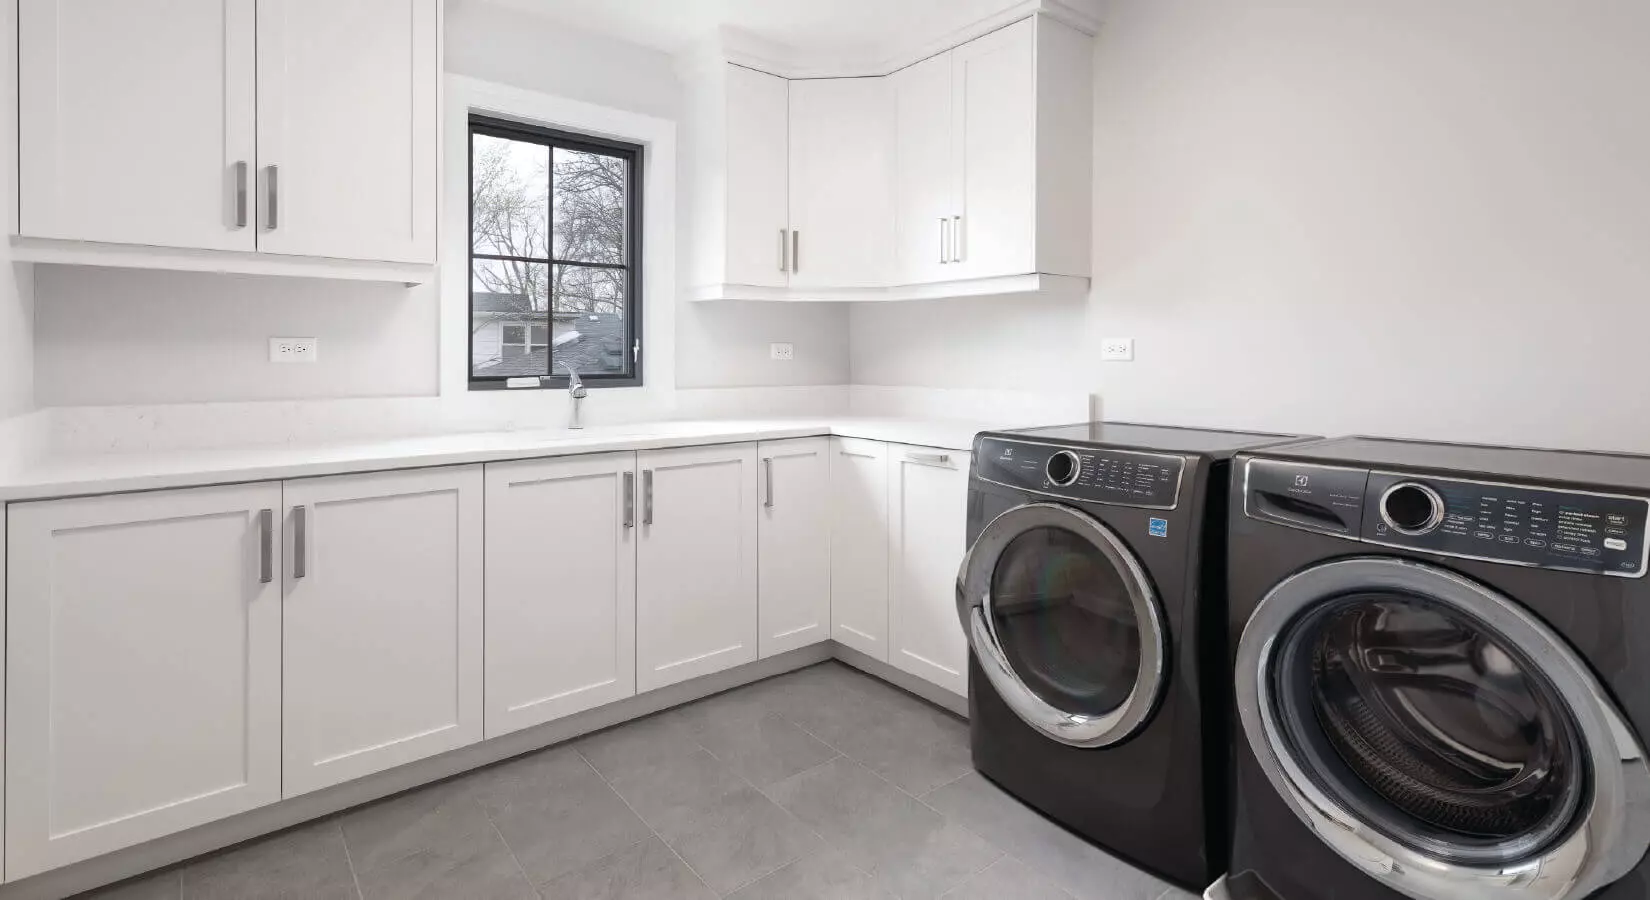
177	657
965	173
285	136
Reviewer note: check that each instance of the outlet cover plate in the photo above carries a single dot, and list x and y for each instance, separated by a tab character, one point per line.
1117	349
783	351
294	349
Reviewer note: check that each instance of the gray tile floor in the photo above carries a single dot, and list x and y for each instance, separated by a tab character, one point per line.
823	784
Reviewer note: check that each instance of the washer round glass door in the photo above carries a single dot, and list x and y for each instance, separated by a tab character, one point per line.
1438	735
1064	623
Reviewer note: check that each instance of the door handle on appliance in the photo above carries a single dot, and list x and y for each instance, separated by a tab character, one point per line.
630	499
956	239
796	249
266	546
784	251
929	459
647	496
945	246
240	193
272	186
300	541
767	469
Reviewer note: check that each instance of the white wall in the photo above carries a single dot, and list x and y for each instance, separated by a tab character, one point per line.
115	337
1410	218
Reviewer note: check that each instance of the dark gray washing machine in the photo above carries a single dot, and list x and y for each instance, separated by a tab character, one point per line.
1442	672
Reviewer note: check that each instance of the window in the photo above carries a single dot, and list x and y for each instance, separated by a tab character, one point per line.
555	257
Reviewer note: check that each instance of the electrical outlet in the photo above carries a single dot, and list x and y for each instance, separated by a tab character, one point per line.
294	349
1117	349
781	351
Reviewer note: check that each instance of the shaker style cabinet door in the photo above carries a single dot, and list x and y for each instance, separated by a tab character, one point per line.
382	621
696	563
136	122
842	182
925	183
859	545
561	587
928	524
794	543
758	232
347	131
995	123
143	668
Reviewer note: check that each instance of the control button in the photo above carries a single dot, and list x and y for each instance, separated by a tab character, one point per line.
1565	548
1615	544
1620	531
1509	539
1484	535
1532	542
1590	551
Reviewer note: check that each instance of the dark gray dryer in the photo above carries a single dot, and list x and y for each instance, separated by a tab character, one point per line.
1442	672
1092	600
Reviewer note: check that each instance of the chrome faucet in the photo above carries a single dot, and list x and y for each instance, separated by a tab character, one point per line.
576	390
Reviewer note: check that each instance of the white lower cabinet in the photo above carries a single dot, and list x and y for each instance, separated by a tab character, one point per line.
561	587
696	563
859	545
927	531
144	668
382	622
794	544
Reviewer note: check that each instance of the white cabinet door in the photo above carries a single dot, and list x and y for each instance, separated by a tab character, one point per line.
560	586
347	102
794	544
135	120
996	152
842	182
382	620
928	524
695	563
757	162
925	206
859	545
144	666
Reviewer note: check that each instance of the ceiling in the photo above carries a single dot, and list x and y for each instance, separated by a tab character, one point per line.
852	28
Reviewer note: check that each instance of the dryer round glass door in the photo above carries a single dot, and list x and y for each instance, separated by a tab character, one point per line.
1448	736
1064	623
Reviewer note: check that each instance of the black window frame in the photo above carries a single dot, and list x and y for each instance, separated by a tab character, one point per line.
632	153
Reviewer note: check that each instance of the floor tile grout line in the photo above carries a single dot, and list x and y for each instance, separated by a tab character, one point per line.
349	859
512	851
645	823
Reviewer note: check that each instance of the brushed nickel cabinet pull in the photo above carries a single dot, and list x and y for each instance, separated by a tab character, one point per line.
767	467
272	185
647	496
630	499
240	193
300	522
266	546
796	250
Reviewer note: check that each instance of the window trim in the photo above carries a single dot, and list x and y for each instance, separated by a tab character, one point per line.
480	123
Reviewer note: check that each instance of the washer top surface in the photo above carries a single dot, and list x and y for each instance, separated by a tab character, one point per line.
1616	471
1161	438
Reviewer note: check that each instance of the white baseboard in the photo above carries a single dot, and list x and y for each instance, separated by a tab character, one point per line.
911	684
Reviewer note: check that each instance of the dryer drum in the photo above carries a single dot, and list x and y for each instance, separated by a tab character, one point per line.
1424	720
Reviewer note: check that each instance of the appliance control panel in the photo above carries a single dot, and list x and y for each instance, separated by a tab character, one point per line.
1084	474
1554	528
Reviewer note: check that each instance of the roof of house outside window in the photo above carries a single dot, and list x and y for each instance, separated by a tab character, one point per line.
597	349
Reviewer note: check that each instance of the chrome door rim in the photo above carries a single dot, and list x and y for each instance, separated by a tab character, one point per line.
1613	827
974	605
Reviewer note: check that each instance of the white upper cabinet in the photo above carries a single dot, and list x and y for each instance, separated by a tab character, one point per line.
136	121
994	153
924	183
347	128
561	587
927	537
794	544
263	136
382	622
144	668
696	563
859	545
841	183
967	172
758	144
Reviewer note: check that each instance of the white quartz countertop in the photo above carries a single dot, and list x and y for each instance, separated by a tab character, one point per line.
77	475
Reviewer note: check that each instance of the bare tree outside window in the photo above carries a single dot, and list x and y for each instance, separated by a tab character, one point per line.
553	238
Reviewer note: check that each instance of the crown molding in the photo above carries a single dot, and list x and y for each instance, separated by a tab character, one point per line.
734	45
